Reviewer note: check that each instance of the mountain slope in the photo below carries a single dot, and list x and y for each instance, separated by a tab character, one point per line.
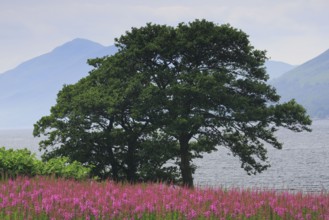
308	84
276	68
28	91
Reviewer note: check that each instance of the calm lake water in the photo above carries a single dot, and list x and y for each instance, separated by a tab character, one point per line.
302	164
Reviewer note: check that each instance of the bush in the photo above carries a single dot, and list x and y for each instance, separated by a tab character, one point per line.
18	162
22	162
60	167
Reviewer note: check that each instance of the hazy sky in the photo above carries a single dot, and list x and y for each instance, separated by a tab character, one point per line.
292	31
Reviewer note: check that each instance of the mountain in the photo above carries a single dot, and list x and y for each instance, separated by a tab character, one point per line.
308	84
28	91
276	68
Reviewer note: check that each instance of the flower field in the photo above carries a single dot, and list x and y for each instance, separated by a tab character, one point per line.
50	198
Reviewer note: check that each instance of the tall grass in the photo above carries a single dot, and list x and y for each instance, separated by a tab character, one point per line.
50	198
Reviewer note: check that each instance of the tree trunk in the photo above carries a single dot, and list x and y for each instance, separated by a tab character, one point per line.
185	165
113	162
131	162
114	165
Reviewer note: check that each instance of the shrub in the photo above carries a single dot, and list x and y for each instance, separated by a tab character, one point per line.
22	162
60	167
18	162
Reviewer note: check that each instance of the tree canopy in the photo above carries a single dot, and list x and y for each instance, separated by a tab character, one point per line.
169	95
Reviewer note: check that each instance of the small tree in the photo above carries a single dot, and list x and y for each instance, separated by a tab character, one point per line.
80	128
98	121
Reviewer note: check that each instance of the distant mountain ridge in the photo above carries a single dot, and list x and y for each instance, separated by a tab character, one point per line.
276	68
308	84
313	71
28	91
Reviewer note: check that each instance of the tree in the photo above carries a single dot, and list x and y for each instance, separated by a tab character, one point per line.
94	122
209	90
197	86
77	128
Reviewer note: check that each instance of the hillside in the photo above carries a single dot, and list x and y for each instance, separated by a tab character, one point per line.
28	91
308	84
276	68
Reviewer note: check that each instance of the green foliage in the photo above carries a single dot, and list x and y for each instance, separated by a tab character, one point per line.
61	167
18	162
155	153
97	123
21	162
198	85
208	89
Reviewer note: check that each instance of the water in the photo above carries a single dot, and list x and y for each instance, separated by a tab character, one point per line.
18	139
302	164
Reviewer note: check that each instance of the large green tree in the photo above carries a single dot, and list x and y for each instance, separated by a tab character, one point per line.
199	86
210	90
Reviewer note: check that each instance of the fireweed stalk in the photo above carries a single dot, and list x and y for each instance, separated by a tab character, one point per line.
50	198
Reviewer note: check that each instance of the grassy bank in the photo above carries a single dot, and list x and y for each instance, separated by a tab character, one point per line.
51	198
